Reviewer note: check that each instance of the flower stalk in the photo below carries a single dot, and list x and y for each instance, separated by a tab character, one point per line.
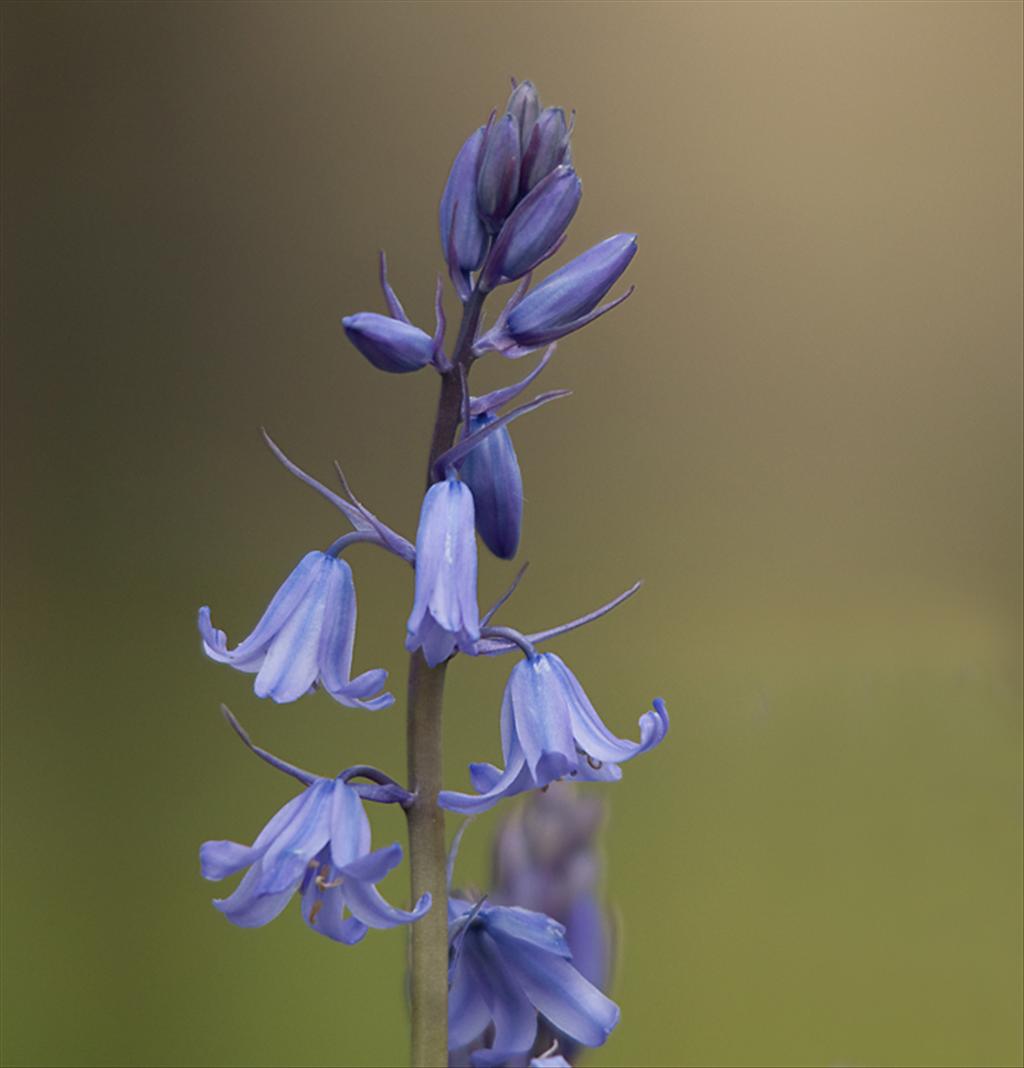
427	856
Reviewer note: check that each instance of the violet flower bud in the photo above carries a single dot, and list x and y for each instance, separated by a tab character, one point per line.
463	237
535	229
524	106
491	471
565	301
497	186
389	344
547	148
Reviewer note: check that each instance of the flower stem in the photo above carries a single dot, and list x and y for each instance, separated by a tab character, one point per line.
429	951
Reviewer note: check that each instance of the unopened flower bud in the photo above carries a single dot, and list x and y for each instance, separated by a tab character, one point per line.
547	148
389	344
524	106
535	229
491	471
497	187
463	237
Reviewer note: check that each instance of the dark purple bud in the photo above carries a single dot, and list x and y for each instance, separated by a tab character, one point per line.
497	187
547	148
524	107
463	238
535	229
491	471
389	344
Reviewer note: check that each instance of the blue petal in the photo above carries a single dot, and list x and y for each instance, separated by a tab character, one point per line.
324	911
515	1020
248	906
562	995
372	867
514	780
223	858
285	860
366	904
531	929
350	828
468	1014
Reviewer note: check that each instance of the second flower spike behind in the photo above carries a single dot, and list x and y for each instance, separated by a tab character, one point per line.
551	731
304	639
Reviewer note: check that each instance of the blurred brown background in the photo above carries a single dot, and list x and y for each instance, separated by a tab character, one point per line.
804	432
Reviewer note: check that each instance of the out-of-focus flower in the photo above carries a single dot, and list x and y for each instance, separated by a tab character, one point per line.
445	615
305	637
565	301
549	731
507	966
319	845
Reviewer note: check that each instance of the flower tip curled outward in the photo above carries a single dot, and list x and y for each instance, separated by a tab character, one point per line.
389	344
305	637
549	731
319	845
445	615
509	966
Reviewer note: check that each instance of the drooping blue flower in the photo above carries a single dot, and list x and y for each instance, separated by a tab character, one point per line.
318	845
304	638
564	302
549	731
535	230
445	615
509	965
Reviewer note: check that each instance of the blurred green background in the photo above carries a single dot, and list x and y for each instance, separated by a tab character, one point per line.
804	432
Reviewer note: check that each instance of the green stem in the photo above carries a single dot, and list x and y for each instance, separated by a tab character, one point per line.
427	856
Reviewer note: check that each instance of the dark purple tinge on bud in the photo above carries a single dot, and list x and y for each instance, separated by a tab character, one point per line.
492	473
389	344
533	231
524	106
547	148
497	186
463	237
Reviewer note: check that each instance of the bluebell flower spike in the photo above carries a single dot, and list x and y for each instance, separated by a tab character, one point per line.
304	638
564	302
445	615
318	845
551	731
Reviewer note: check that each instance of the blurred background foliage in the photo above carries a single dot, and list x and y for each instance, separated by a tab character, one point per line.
804	432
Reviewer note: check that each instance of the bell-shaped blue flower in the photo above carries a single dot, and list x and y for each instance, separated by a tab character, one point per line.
389	344
535	229
509	965
463	235
304	639
492	472
549	731
445	614
318	845
565	301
